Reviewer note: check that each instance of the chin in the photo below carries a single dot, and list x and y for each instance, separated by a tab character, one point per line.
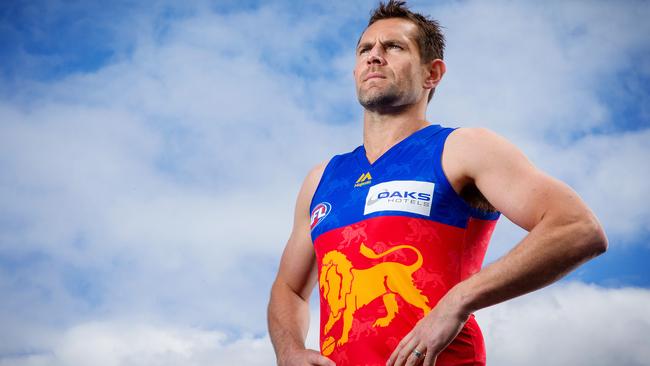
378	100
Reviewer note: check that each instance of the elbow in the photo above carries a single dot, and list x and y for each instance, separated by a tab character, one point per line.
595	242
602	243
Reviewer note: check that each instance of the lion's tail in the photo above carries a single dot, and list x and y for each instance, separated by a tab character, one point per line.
368	253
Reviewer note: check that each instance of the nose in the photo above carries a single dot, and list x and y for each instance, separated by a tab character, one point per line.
376	56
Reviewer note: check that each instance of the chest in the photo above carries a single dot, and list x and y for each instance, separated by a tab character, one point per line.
409	184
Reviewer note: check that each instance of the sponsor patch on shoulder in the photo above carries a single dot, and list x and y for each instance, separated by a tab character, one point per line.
400	195
319	213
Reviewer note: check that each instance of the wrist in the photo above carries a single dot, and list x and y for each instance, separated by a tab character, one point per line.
284	356
460	301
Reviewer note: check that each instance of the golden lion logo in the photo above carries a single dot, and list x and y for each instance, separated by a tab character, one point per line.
347	289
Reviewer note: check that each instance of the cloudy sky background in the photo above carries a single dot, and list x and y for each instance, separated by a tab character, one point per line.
150	156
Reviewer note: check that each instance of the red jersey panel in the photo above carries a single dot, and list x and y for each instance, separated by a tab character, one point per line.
379	277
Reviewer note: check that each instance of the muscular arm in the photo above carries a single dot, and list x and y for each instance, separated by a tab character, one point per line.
563	233
288	311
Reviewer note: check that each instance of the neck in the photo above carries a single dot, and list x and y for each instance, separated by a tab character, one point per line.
383	129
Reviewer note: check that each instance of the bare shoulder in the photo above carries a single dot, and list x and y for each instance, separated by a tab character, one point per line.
311	181
470	151
477	141
309	186
316	172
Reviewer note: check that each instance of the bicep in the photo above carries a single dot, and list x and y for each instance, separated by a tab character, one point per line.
297	266
511	183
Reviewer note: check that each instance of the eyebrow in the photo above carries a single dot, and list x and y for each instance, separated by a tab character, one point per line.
363	45
388	42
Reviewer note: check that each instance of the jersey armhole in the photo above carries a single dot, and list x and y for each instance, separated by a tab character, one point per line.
471	211
320	181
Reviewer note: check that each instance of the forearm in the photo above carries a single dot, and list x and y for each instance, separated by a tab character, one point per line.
550	251
288	320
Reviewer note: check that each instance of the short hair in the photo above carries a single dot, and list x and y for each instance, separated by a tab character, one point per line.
430	40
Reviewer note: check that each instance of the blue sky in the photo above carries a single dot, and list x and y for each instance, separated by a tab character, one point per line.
150	156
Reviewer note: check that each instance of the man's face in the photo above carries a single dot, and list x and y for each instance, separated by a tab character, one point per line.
388	71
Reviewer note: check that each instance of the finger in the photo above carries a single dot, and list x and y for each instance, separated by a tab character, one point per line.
429	359
400	346
416	358
406	352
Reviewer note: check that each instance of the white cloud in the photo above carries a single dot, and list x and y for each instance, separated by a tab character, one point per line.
569	324
528	69
172	173
161	186
123	344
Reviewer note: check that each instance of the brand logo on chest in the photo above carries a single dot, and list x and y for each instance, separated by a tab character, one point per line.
363	180
400	195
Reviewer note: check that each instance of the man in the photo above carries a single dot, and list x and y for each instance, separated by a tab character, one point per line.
395	232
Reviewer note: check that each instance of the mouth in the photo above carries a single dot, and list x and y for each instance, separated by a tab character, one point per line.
373	75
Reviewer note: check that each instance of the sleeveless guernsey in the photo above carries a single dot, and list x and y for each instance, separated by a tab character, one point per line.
391	238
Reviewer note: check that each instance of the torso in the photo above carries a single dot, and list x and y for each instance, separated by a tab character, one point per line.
391	238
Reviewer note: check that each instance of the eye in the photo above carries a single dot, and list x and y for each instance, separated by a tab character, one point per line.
363	50
394	46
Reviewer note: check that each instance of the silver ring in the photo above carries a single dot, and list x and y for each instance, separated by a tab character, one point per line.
417	353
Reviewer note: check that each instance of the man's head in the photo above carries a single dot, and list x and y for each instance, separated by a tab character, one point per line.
401	48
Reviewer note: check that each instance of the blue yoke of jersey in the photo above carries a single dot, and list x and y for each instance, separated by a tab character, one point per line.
416	158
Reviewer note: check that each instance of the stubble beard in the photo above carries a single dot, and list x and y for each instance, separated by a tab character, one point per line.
379	99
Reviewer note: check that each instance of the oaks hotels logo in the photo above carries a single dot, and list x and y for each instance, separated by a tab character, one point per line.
400	195
319	213
363	180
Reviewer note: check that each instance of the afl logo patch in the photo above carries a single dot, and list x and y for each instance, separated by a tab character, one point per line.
319	212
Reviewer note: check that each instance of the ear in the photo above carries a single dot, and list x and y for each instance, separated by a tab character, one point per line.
434	71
